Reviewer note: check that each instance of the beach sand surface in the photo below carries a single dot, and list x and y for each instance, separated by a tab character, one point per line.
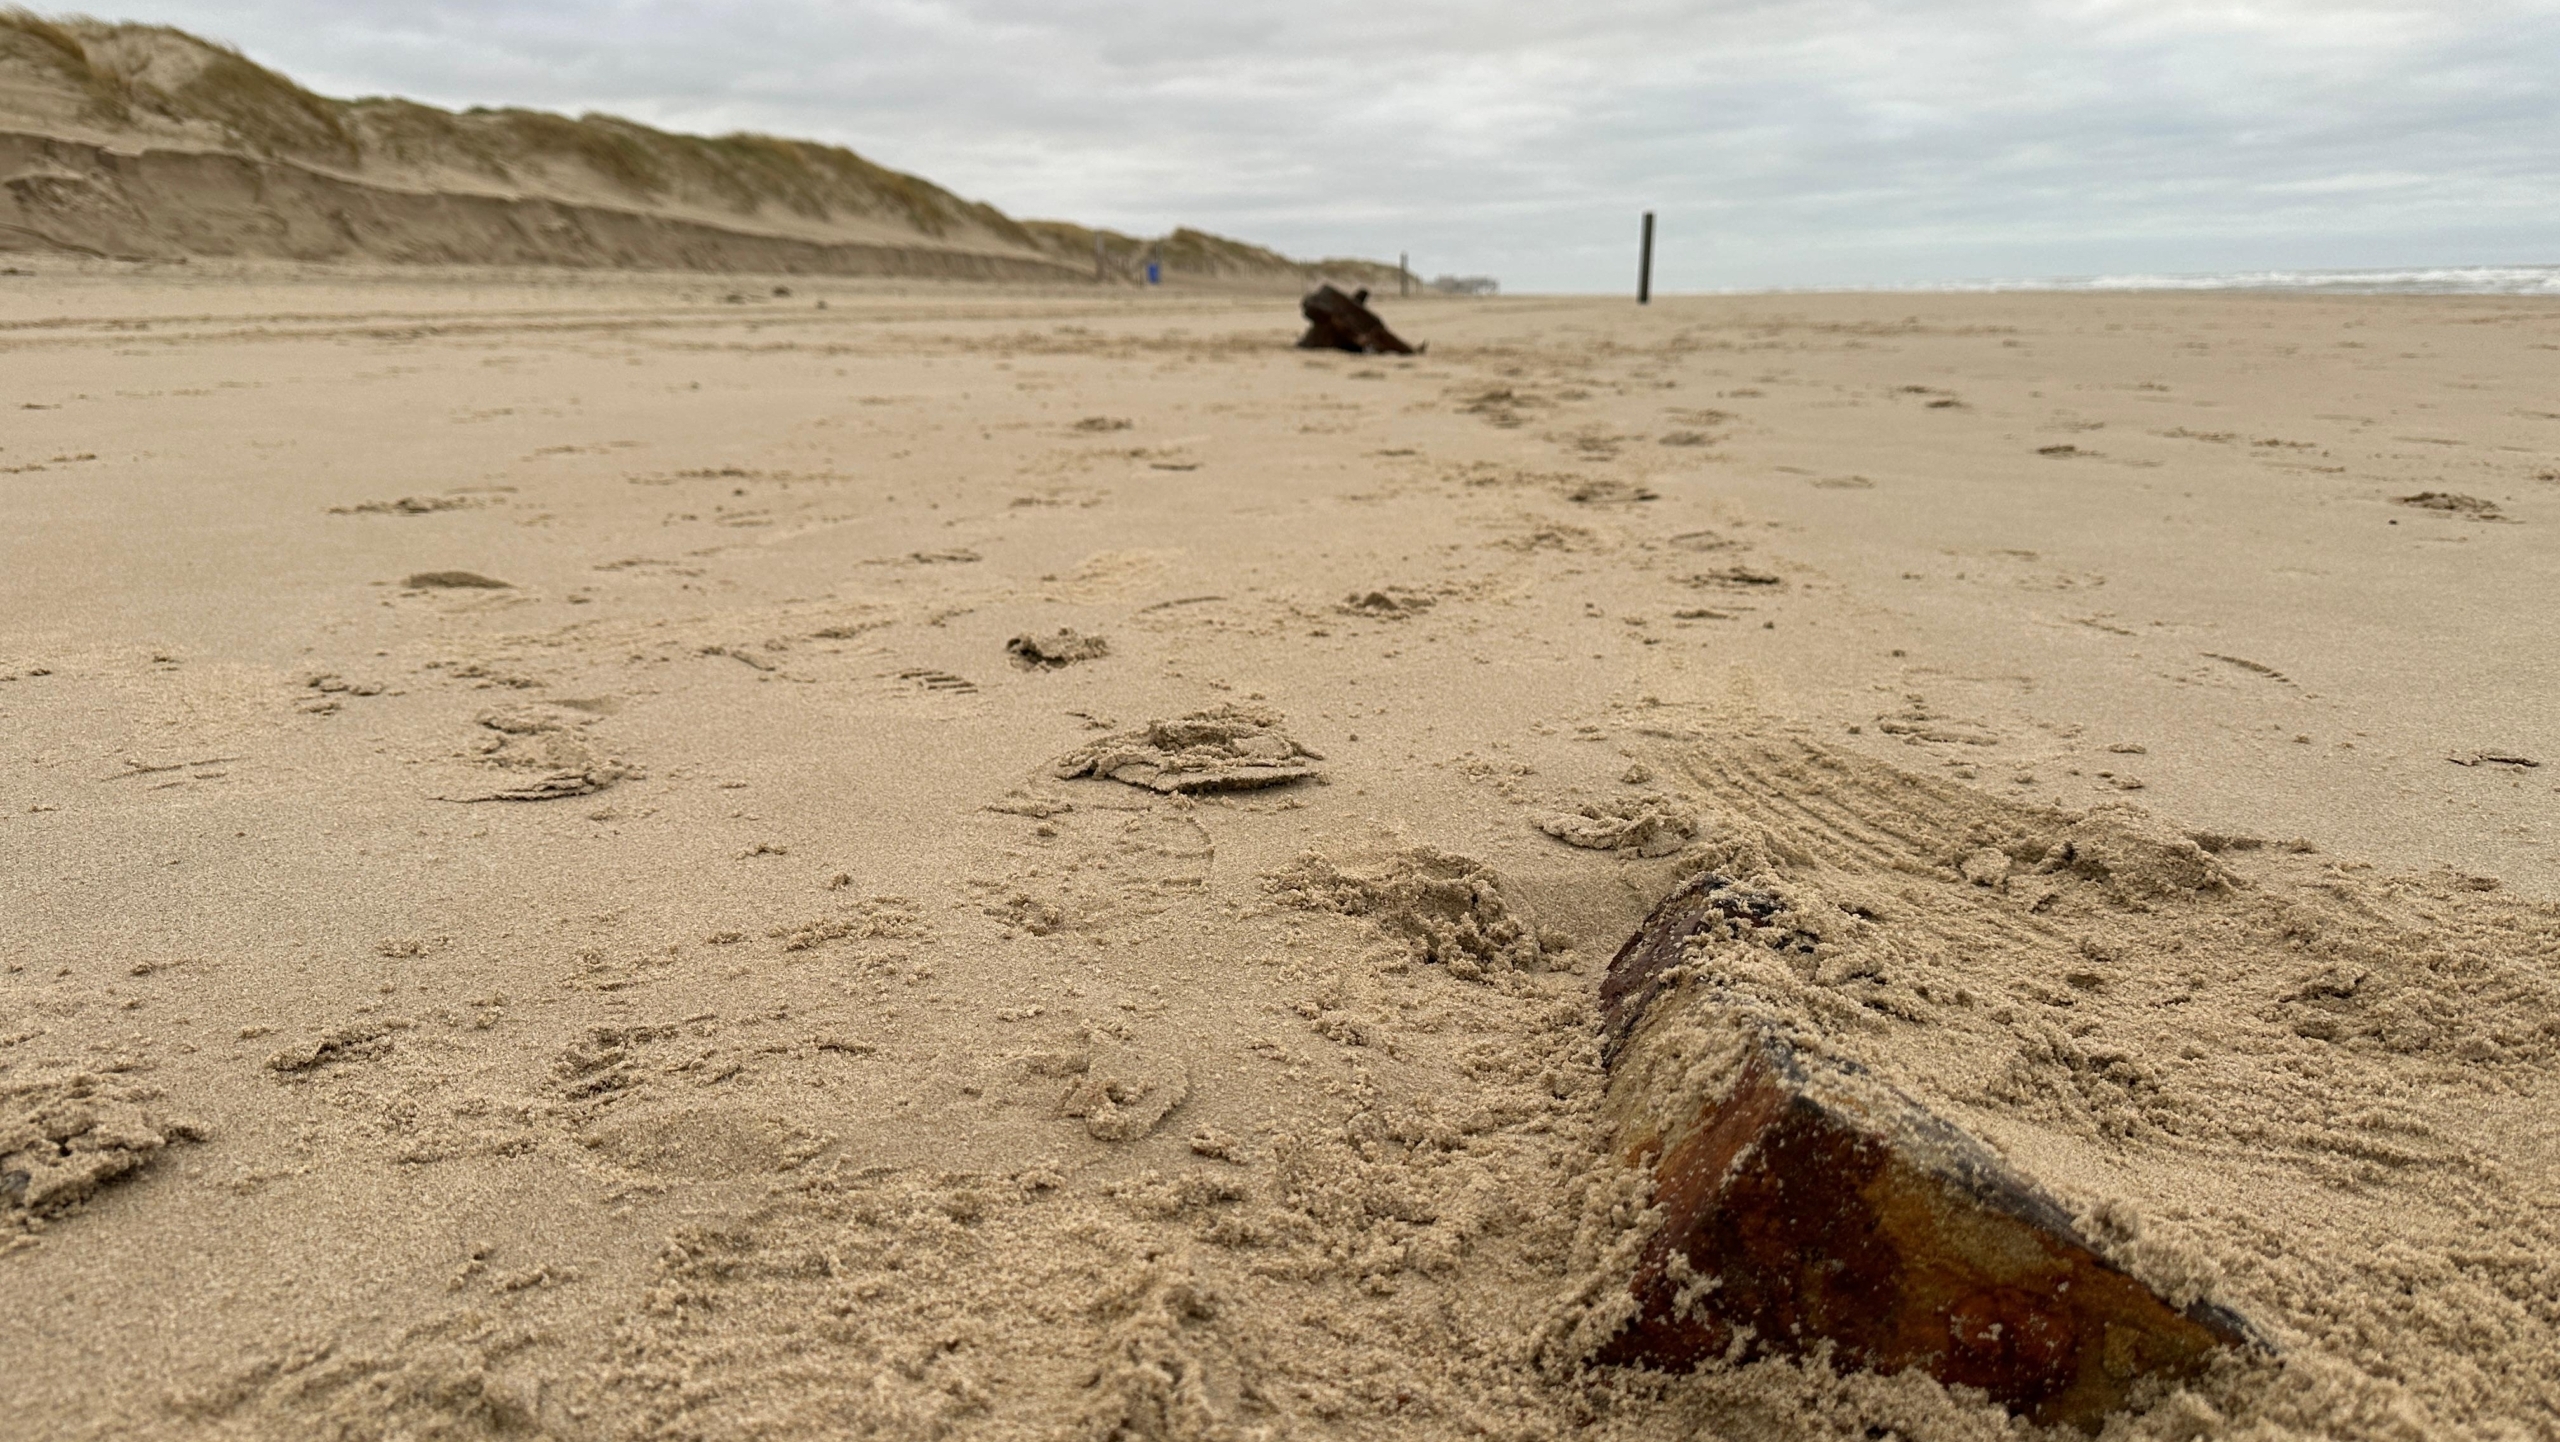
561	877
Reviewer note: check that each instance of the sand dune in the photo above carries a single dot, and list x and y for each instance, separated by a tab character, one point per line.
141	141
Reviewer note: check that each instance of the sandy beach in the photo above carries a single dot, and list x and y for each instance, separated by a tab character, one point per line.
556	881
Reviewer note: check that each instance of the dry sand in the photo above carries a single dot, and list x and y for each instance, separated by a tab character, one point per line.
540	901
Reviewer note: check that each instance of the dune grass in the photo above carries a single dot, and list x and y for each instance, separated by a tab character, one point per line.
30	38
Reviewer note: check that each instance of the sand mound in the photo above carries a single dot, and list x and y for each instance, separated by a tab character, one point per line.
1225	748
64	1138
1641	825
1451	910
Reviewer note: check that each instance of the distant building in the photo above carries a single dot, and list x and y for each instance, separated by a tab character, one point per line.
1467	285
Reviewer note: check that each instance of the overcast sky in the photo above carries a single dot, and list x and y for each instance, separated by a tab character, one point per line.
1819	142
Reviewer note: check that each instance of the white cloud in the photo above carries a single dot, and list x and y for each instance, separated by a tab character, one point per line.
1822	141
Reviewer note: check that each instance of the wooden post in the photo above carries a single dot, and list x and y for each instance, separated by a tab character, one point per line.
1100	274
1644	264
1404	274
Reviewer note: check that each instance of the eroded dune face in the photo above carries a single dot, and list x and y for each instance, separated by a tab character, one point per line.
584	859
122	140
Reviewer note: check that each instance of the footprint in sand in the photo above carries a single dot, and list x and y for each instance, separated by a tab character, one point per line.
1605	492
1108	575
2450	503
1126	1093
700	1142
1392	603
939	682
546	749
1060	648
405	506
330	691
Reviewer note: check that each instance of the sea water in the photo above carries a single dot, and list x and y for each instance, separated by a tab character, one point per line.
2420	280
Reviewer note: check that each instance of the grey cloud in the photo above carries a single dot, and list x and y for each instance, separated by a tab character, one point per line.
1821	142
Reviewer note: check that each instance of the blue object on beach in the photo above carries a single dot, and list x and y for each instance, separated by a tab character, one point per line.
1155	273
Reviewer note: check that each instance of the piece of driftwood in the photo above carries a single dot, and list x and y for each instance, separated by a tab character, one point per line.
1813	1204
1344	322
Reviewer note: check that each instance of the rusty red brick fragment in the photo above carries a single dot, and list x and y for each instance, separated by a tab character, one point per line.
1813	1204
